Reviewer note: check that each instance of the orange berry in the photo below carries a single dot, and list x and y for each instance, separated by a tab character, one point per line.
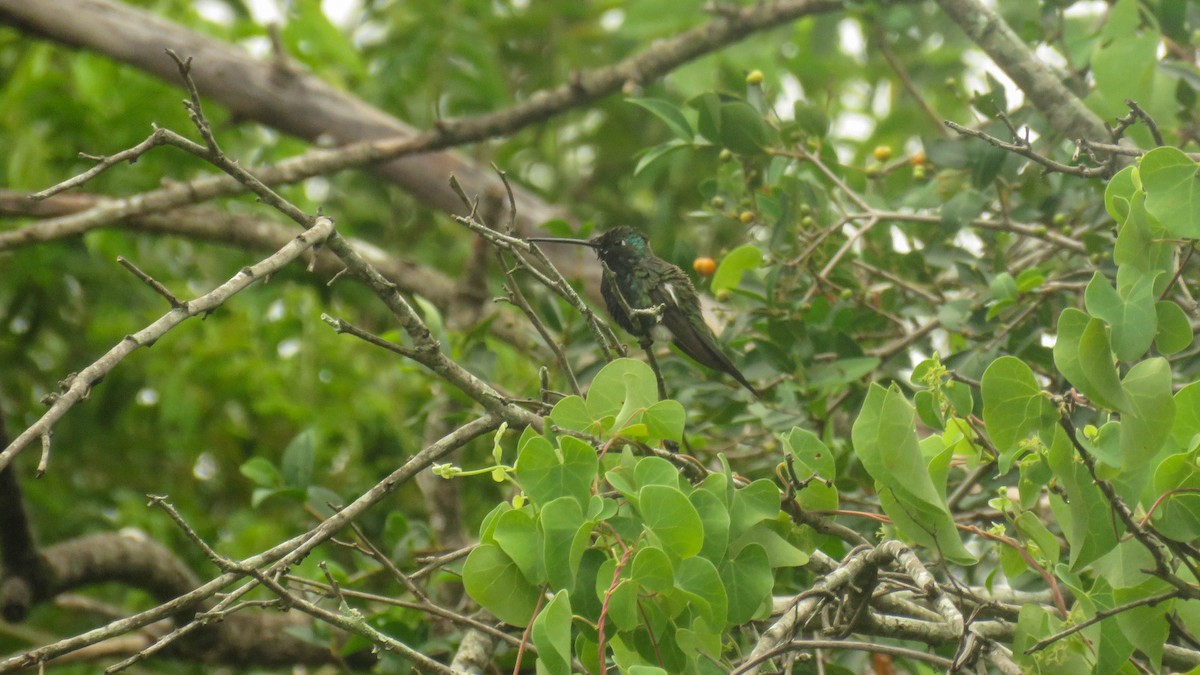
704	266
918	158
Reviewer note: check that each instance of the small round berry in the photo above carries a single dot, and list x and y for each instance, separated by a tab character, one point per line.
704	266
754	77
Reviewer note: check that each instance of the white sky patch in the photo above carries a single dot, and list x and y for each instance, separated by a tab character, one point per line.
289	348
975	81
265	11
881	103
343	13
205	468
790	91
612	19
216	12
851	41
900	243
969	242
1086	8
258	46
853	126
317	188
1048	341
1051	57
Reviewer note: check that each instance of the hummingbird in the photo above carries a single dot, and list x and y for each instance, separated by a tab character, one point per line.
646	281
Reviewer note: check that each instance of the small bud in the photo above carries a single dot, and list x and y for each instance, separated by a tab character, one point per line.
726	155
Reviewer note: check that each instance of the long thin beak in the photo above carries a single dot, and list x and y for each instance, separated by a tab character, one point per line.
560	240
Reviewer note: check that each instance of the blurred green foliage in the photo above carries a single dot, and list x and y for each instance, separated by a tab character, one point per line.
844	218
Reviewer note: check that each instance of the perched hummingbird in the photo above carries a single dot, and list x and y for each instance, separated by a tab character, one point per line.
645	281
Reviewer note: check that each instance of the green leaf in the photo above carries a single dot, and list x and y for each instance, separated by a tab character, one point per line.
1174	330
649	156
739	261
811	118
753	504
1146	423
261	472
1177	479
1187	416
698	579
1096	363
297	462
493	580
517	535
811	458
670	114
732	123
655	471
1142	245
622	599
652	569
714	518
1086	519
545	477
1031	527
665	420
1003	287
1129	310
572	413
1014	407
565	536
622	389
885	440
672	518
260	495
780	551
1146	626
748	583
1172	191
552	636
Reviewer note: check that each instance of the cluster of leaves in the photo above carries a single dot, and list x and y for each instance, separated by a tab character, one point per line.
625	542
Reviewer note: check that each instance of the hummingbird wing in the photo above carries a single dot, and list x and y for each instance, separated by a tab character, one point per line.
683	317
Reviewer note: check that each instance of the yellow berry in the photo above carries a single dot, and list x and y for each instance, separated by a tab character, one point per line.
754	77
883	152
746	217
726	155
704	266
